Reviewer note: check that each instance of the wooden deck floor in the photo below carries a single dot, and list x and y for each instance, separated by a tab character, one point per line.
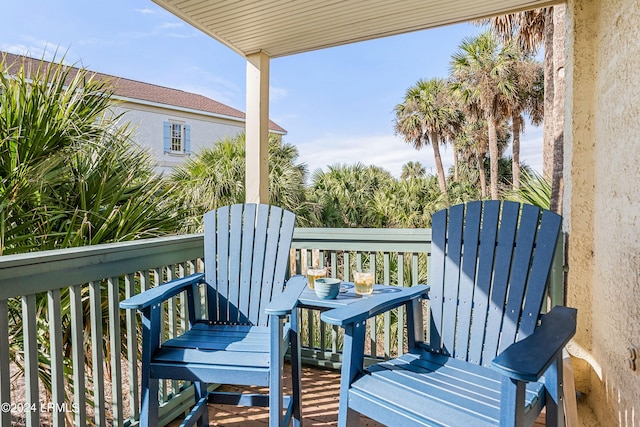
320	390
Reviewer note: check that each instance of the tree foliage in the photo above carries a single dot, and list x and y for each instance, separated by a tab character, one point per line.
216	177
70	174
426	117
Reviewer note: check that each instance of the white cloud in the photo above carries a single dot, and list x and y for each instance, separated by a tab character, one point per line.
206	83
167	29
390	152
89	41
386	151
182	35
146	11
171	25
39	49
277	93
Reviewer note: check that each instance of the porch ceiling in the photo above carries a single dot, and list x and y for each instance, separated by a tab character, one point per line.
286	27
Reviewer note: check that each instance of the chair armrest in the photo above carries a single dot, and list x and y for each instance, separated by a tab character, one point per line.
284	303
528	359
373	305
161	292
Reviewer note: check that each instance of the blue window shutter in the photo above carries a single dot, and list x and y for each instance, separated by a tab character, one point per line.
167	136
187	139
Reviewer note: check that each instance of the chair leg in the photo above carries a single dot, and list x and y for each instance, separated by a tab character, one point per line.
149	386
200	391
512	403
150	403
275	374
353	346
296	374
554	394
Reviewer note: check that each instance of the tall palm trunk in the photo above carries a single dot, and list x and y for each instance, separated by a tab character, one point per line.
557	180
516	125
483	176
493	155
455	163
549	122
438	160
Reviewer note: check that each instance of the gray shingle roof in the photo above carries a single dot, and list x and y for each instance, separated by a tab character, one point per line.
136	90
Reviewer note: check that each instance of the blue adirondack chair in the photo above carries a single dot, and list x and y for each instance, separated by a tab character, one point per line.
488	359
244	336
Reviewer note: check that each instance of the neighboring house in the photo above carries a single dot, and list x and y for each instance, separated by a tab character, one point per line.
171	123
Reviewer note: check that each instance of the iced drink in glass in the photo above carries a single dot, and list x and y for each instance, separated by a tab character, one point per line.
315	273
363	281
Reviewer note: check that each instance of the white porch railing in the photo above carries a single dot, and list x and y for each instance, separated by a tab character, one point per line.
66	302
60	322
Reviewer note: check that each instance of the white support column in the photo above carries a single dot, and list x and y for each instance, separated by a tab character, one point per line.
257	129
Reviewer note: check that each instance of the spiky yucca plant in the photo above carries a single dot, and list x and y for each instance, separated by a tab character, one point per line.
70	175
534	190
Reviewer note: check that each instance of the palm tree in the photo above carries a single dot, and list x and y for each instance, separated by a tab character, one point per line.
344	195
423	118
412	170
528	78
481	70
530	29
215	177
473	143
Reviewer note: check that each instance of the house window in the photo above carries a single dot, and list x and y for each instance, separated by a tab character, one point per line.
177	138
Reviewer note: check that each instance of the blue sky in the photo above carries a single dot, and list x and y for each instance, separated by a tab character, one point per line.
337	104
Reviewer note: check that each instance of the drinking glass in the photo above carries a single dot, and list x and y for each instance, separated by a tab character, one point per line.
363	281
315	273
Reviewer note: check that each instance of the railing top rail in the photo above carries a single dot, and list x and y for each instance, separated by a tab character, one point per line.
25	274
363	239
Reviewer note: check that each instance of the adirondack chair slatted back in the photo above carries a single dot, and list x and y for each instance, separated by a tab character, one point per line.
489	267
246	255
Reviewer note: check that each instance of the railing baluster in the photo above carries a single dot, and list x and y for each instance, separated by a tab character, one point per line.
132	350
322	330
401	308
172	314
183	303
184	315
145	280
30	333
387	315
373	333
5	389
114	347
158	279
55	342
95	309
346	267
334	274
77	357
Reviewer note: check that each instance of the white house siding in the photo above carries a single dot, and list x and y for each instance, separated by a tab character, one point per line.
148	124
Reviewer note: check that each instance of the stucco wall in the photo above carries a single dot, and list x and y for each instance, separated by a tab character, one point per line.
148	122
602	201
